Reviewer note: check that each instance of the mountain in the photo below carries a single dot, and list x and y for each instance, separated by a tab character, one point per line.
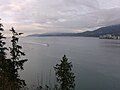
114	30
53	34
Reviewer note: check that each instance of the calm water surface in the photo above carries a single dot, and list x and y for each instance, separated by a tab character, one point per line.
96	61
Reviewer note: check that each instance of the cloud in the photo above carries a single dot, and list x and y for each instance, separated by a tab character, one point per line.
59	15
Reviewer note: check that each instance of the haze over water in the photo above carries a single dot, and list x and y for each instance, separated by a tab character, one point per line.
96	62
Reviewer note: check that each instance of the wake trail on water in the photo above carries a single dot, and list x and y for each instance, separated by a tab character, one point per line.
34	43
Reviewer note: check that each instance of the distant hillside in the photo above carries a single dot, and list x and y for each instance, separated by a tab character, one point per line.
114	30
52	34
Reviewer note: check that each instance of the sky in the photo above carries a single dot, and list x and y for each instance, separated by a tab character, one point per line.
43	16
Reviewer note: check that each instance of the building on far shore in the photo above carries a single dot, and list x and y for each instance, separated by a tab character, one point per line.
109	36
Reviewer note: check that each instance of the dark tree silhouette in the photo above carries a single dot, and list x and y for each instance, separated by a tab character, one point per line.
2	59
17	62
65	76
9	68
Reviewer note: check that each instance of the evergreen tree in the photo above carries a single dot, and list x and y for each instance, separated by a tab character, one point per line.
3	61
17	62
64	75
9	76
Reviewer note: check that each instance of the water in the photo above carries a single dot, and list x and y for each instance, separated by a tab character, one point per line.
96	61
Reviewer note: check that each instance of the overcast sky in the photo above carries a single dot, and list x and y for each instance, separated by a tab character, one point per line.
41	16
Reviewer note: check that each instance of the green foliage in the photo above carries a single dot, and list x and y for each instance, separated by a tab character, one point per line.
3	60
9	68
17	62
65	76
